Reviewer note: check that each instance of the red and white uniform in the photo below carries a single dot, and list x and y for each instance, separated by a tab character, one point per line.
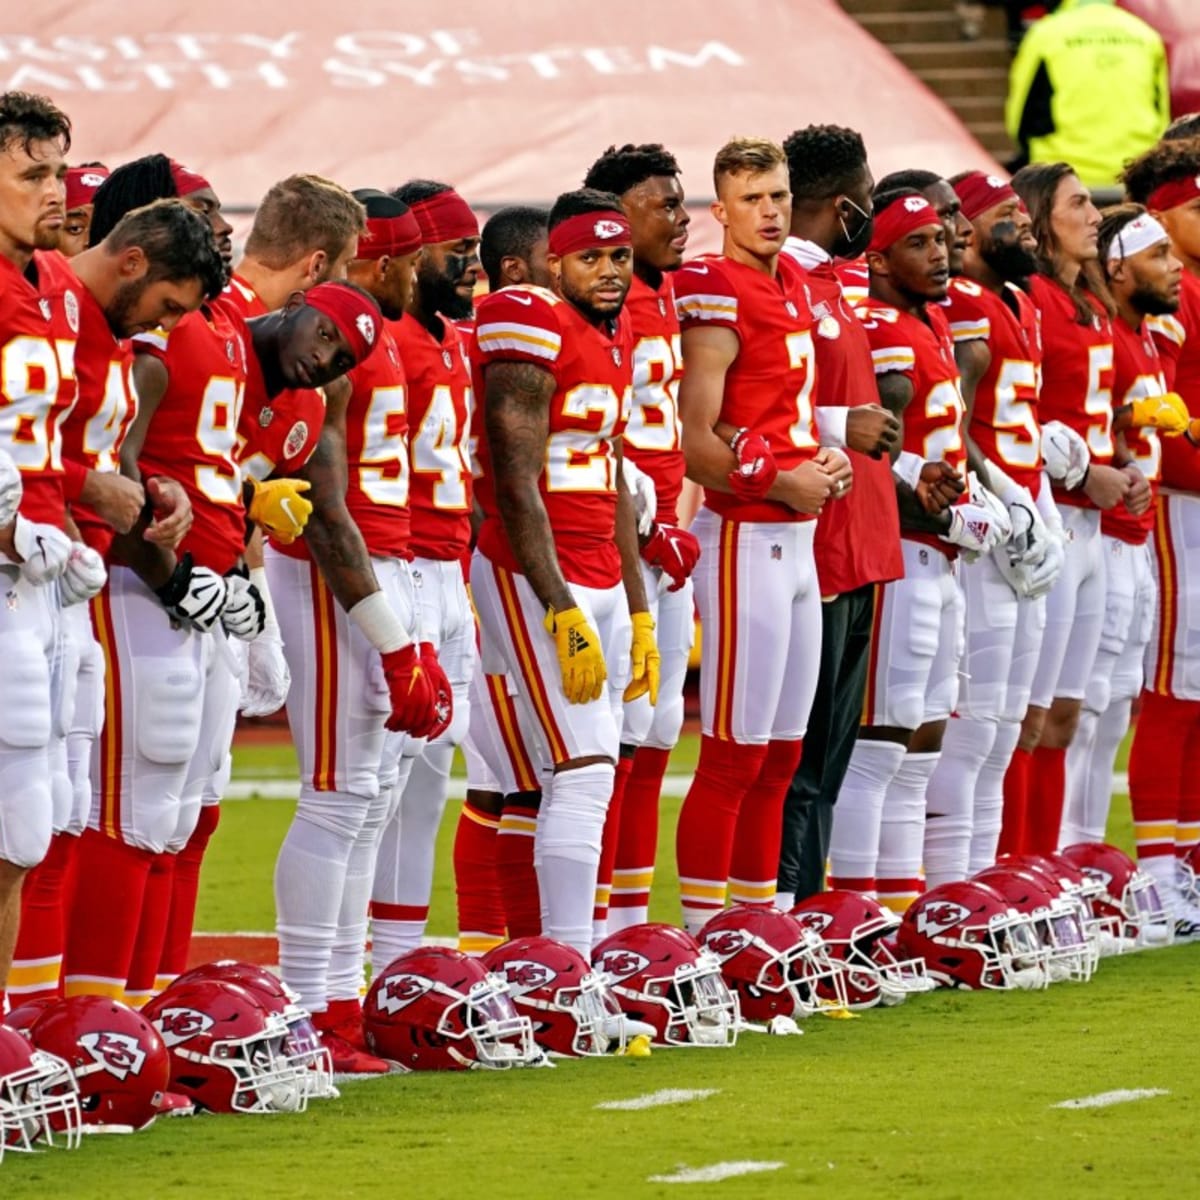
1173	656
29	377
1077	389
913	673
592	372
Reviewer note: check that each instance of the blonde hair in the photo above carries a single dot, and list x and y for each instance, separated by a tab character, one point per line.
301	214
751	155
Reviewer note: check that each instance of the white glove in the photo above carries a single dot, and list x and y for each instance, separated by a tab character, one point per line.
1027	545
267	677
11	489
645	495
980	524
1064	454
1040	579
43	548
84	576
244	615
194	595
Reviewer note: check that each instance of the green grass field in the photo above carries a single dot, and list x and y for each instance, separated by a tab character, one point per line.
950	1095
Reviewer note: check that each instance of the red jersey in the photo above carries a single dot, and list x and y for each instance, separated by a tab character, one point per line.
377	475
923	352
858	540
192	436
439	416
29	394
592	374
1177	337
652	436
769	385
856	281
1138	374
1004	421
1077	375
277	434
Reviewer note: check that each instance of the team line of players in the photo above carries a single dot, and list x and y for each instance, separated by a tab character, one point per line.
928	505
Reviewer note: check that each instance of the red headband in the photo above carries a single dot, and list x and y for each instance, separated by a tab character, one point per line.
899	219
355	314
390	236
979	191
1173	194
187	182
446	217
585	231
82	183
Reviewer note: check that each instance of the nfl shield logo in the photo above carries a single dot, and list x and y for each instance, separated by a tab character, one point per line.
777	552
662	307
266	415
229	354
791	309
447	360
616	353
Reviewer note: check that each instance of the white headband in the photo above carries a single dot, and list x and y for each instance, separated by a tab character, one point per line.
1140	234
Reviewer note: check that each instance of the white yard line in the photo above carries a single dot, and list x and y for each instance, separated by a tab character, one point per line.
1120	1096
716	1172
658	1099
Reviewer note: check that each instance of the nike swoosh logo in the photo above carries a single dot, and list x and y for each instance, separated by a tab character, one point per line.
286	505
526	300
699	270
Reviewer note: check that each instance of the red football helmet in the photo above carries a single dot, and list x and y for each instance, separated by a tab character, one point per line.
776	966
228	1050
303	1041
38	1096
858	932
969	936
663	977
434	1009
1072	892
116	1055
1129	910
23	1016
571	1006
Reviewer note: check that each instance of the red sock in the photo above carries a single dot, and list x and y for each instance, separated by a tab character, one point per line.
102	922
1047	791
178	940
1016	804
514	865
476	883
608	843
1187	824
755	863
37	960
637	840
152	932
725	773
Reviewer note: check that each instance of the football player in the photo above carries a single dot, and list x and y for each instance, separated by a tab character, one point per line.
750	440
1164	770
646	178
559	539
439	419
879	819
857	543
82	182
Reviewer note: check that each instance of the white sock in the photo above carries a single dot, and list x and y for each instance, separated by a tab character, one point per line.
902	831
950	799
310	878
347	958
1161	867
1110	728
1079	759
989	797
570	829
785	901
854	841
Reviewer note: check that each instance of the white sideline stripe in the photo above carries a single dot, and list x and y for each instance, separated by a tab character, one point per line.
716	1172
289	789
658	1099
1120	1096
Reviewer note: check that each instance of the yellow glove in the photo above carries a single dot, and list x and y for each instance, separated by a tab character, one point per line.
644	660
280	508
1167	413
579	655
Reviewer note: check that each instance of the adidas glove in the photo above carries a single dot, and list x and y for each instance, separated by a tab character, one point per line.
644	660
580	658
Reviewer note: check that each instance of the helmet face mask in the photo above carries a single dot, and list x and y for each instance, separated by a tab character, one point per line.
1125	900
501	1037
701	1010
38	1097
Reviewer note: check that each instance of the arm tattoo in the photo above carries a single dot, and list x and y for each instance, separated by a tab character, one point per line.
517	424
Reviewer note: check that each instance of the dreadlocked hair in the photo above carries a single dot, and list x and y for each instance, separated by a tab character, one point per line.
132	185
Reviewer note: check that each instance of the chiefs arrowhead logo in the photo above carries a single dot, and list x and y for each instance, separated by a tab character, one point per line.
608	229
725	943
178	1025
914	204
620	964
939	916
818	922
118	1053
399	991
1101	877
523	975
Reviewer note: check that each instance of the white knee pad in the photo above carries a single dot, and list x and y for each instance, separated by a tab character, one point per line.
339	813
571	823
169	707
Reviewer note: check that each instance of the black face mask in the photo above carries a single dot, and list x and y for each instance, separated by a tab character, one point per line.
851	245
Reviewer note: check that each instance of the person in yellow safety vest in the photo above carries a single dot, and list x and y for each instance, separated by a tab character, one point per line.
1088	86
